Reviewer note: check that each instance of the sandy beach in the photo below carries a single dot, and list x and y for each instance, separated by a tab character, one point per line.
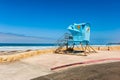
59	40
41	63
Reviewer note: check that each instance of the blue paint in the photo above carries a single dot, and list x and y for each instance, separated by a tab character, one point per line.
80	32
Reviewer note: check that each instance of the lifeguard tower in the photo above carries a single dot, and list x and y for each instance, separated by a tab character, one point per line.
79	36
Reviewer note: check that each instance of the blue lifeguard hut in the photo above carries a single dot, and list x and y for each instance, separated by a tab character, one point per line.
79	35
80	32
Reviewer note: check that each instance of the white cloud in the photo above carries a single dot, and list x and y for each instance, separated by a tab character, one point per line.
14	38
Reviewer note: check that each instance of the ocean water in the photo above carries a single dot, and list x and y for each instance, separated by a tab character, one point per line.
23	46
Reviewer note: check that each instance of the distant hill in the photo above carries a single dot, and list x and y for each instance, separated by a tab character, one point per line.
113	44
17	38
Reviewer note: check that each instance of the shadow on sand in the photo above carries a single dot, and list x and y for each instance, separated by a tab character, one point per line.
106	71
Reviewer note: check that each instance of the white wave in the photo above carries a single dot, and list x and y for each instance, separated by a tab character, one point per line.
11	48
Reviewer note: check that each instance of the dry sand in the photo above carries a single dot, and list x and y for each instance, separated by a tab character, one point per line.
40	65
13	52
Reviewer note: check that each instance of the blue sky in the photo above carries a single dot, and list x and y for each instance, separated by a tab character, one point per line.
50	18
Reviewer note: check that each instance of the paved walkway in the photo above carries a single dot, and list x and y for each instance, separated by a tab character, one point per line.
40	65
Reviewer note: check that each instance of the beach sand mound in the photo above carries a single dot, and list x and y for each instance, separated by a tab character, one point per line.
106	71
